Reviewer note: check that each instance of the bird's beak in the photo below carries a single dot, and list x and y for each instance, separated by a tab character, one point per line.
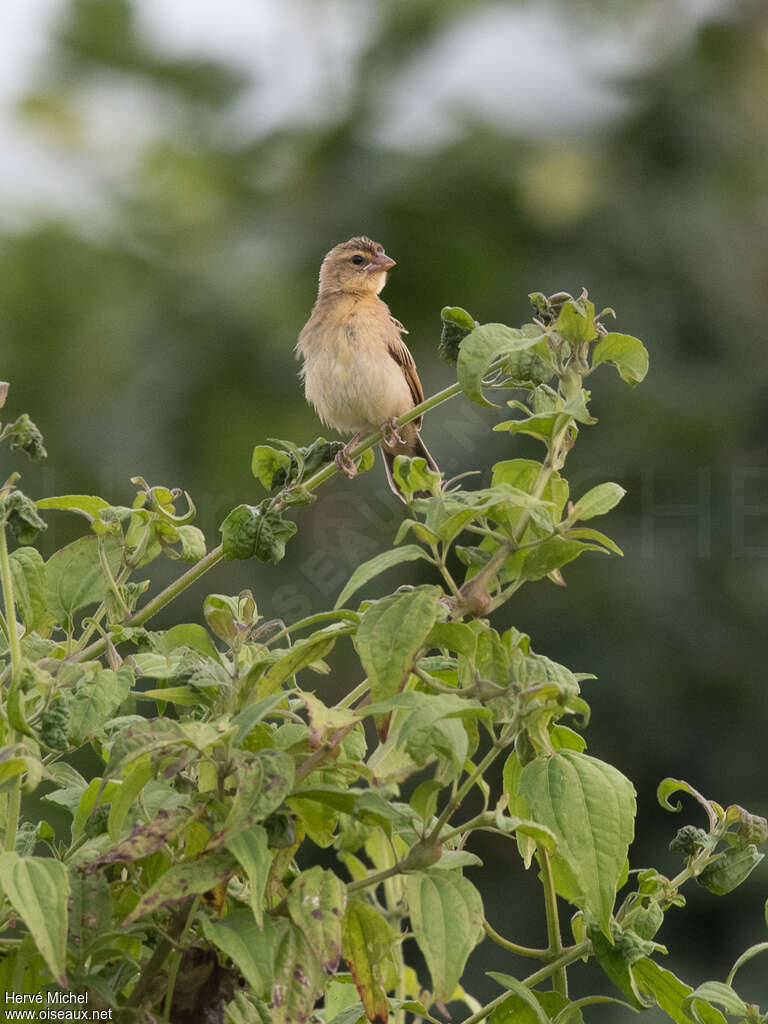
382	262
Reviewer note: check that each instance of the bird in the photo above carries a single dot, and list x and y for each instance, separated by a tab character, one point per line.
358	373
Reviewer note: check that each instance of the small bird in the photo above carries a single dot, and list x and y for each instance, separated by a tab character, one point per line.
357	372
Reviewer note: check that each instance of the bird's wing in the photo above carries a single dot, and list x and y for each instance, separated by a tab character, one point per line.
402	356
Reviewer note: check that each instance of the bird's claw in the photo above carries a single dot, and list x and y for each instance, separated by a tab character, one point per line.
345	463
390	435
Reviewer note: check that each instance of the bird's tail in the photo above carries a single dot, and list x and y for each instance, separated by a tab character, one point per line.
413	448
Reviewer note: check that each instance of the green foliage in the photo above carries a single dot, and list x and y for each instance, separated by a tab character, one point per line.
217	768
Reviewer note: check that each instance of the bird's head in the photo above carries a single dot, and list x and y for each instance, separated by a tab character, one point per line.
358	266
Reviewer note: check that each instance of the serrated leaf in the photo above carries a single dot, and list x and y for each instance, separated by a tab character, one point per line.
38	890
480	348
390	634
376	565
629	355
447	919
590	808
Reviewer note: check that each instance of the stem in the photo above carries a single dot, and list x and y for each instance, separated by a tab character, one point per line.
215	555
514	947
13	806
176	961
559	980
376	877
466	786
569	955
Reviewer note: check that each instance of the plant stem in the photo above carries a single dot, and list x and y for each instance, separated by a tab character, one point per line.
376	877
13	806
215	555
514	947
559	980
467	785
173	970
569	955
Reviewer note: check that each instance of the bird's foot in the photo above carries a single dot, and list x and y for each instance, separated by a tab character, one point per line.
390	434
344	461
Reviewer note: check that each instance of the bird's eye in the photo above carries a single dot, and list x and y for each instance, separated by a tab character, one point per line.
358	260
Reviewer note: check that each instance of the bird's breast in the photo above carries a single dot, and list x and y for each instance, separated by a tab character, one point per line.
350	377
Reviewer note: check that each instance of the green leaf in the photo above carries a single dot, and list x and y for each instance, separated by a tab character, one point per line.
299	978
536	562
746	956
95	702
590	808
669	786
38	890
74	576
125	795
256	531
144	840
729	869
576	321
525	1006
415	477
24	435
28	572
457	324
447	919
251	848
266	462
263	784
376	565
90	909
304	652
617	957
627	354
191	542
316	902
598	501
253	714
21	515
390	634
96	794
88	505
715	992
670	993
366	945
183	880
252	948
480	348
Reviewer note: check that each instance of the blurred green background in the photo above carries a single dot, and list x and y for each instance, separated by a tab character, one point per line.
173	172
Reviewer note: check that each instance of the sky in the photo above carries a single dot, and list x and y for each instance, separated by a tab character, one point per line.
521	66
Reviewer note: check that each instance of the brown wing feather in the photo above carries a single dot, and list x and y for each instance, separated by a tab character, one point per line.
402	356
